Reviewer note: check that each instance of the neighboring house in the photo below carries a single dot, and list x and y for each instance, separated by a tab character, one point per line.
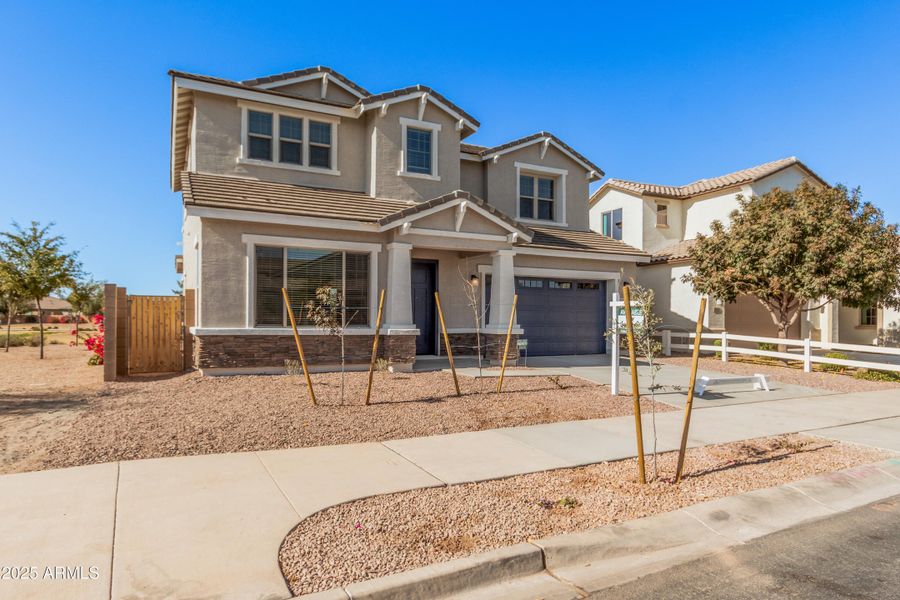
664	220
50	307
306	179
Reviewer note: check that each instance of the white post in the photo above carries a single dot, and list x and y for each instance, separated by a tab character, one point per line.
614	360
503	288
398	308
724	346
667	342
807	356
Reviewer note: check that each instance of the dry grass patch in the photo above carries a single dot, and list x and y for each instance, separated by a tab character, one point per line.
386	534
189	414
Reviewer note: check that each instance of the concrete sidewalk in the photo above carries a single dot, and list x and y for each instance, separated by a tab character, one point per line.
211	526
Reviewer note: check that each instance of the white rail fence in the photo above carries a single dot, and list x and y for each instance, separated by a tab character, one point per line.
803	349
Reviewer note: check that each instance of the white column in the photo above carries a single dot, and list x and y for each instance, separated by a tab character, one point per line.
398	304
503	288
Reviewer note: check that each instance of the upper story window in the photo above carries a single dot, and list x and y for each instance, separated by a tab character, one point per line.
419	155
611	223
293	141
662	215
537	197
541	193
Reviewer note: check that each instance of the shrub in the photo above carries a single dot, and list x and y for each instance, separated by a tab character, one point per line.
877	375
96	343
766	346
835	368
718	343
23	339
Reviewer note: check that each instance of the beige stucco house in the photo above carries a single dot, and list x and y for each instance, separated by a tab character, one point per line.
663	220
306	179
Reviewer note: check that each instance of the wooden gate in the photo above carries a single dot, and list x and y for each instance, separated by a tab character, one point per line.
156	326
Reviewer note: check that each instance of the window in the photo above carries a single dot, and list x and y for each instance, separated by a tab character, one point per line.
290	140
320	144
259	133
868	316
536	197
662	215
531	283
560	285
418	151
611	223
302	271
588	285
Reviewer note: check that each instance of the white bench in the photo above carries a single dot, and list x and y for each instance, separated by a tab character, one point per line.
758	380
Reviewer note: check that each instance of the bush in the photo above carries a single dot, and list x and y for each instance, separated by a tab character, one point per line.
766	346
876	375
718	342
835	368
22	339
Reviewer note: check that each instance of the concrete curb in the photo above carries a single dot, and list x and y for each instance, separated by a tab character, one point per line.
571	565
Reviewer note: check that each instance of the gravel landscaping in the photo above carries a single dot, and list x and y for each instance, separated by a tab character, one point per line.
822	380
386	534
148	417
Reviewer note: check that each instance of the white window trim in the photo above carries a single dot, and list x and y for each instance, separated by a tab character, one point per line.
560	200
275	163
435	129
657	204
251	241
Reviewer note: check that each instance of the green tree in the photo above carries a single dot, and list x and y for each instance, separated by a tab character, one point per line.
790	248
34	262
11	301
86	298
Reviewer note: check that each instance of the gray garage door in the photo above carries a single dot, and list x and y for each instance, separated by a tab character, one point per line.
562	316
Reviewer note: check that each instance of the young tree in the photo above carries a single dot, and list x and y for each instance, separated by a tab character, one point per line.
328	312
86	298
790	248
472	290
11	301
35	263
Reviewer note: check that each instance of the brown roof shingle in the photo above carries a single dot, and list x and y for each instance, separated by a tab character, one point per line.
579	241
677	252
422	206
703	186
222	191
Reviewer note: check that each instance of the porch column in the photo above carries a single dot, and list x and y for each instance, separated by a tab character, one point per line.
398	305
503	288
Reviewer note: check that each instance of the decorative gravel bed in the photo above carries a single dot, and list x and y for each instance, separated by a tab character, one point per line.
817	379
386	534
190	414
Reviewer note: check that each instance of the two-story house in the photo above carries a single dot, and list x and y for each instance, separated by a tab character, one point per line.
664	220
306	179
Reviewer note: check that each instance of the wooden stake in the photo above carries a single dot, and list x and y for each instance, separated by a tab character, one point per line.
290	312
375	345
512	319
629	330
695	358
437	303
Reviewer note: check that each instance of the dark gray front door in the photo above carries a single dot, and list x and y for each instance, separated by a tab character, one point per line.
423	281
562	316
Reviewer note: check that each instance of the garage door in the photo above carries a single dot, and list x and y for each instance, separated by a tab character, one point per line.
562	316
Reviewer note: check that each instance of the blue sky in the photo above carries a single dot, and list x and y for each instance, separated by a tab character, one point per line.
666	93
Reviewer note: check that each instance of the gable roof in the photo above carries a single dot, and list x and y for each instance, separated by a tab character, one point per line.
418	91
239	193
489	152
424	207
703	186
677	252
288	77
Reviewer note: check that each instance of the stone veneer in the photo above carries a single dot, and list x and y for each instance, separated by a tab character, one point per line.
463	344
268	351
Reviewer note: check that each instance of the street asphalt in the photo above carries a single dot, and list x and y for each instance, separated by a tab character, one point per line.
855	555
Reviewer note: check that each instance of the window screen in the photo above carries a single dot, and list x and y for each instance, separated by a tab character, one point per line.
259	133
356	296
320	144
269	281
526	197
418	151
290	139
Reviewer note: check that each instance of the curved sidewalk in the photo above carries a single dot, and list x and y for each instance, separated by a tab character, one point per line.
211	526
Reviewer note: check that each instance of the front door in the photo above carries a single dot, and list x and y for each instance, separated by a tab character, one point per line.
423	279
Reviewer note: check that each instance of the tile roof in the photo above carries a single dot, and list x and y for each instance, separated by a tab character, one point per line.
50	303
423	206
419	88
485	151
702	186
222	191
307	71
579	241
679	251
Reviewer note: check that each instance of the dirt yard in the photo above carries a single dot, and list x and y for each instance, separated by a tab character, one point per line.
58	413
391	533
822	380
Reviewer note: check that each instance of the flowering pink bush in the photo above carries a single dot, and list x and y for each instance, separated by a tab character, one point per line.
95	342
